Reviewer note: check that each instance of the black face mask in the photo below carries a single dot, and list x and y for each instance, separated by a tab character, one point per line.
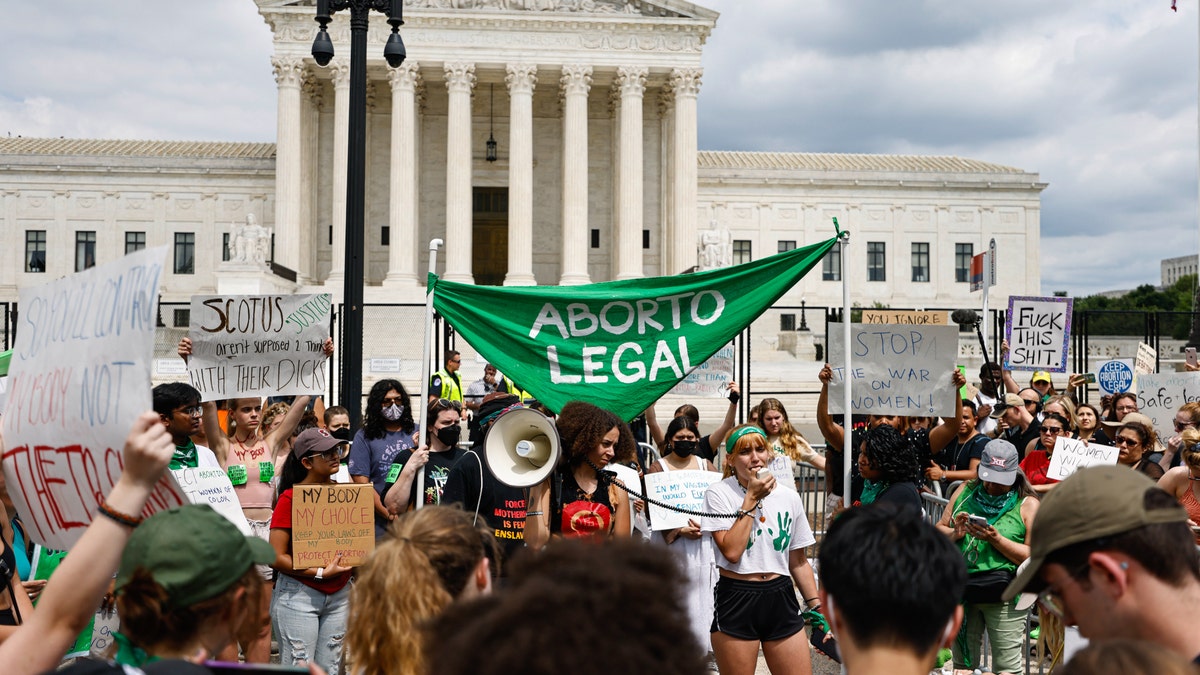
342	434
449	435
684	448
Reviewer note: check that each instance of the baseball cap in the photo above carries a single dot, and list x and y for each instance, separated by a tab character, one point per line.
1041	376
314	440
1131	417
1091	503
999	462
1010	401
193	552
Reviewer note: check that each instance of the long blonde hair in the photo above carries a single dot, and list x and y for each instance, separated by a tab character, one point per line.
789	438
424	562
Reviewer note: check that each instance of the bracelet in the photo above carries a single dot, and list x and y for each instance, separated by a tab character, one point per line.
320	573
739	514
534	513
116	516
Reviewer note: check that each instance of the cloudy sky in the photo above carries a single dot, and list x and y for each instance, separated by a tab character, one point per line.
1098	96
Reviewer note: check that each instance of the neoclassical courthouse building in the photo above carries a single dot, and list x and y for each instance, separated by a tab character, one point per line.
593	107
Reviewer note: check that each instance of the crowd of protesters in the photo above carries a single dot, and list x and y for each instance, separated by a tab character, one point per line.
471	574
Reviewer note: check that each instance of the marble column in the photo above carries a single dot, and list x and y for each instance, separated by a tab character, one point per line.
313	230
576	81
681	233
631	84
288	74
340	70
402	193
460	80
521	79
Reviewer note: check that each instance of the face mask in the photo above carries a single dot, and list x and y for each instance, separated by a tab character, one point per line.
342	434
392	412
449	435
683	448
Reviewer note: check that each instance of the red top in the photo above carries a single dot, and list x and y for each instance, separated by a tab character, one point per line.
1035	465
281	519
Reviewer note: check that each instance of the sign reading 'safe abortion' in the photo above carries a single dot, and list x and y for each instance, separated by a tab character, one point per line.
896	370
258	345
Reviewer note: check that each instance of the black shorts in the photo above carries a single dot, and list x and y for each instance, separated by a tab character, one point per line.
756	610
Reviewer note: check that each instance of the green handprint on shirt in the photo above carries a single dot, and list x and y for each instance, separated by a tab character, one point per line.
784	536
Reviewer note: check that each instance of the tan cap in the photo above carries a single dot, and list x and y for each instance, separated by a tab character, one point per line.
1091	503
1131	417
1010	401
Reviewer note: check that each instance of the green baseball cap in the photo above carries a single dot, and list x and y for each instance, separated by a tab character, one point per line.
193	552
1091	503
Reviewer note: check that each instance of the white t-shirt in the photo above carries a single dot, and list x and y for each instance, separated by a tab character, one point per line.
985	425
205	459
780	526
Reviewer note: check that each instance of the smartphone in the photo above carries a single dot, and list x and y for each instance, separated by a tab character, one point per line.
233	668
978	521
1089	378
1190	353
763	473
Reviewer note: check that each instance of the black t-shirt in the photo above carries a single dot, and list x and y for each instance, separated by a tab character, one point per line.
957	456
437	470
472	482
904	495
1021	438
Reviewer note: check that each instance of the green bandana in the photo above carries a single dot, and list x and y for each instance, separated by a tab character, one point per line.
992	506
129	654
185	457
733	438
871	491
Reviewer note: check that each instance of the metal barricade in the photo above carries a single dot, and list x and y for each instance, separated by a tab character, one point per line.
933	506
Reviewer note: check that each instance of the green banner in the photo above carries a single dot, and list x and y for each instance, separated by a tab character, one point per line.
618	344
5	358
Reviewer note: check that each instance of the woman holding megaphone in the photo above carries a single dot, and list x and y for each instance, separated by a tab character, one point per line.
576	500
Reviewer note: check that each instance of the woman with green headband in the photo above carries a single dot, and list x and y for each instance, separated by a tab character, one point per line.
761	534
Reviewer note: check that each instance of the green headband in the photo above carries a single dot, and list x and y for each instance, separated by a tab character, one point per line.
733	438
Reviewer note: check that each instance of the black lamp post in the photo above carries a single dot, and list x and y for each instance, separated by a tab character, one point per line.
803	317
352	294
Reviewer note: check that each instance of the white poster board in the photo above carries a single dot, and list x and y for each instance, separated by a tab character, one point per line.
1161	394
79	377
1114	376
1038	331
684	489
1071	455
710	379
1146	361
258	345
212	487
898	370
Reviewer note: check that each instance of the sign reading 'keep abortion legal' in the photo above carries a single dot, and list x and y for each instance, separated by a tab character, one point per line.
258	345
896	370
1038	332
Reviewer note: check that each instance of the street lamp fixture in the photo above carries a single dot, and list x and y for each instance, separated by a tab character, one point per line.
491	141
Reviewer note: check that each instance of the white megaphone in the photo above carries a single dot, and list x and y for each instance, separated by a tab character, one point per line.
521	447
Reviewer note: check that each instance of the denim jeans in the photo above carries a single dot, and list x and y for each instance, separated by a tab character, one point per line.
311	624
1005	628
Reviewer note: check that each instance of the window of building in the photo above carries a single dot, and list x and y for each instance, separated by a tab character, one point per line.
85	250
645	239
595	237
136	241
225	254
876	261
181	318
35	251
741	251
962	262
787	322
185	253
385	235
920	262
786	245
831	265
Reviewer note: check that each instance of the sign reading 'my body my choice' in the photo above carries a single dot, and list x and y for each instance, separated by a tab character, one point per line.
79	376
252	345
897	370
1038	331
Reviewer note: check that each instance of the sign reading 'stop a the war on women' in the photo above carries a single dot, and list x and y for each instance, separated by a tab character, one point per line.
258	345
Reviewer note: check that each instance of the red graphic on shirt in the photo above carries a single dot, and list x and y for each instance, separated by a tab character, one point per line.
585	519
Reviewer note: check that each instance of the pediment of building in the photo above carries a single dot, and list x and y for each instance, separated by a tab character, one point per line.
676	9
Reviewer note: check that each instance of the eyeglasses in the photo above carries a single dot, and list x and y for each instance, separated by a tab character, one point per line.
447	404
191	411
1184	425
1051	599
1127	408
1052	430
1028	402
1121	440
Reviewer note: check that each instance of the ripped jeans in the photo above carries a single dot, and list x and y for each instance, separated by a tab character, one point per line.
311	624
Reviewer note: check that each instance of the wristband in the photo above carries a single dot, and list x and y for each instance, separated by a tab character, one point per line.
120	518
320	573
534	513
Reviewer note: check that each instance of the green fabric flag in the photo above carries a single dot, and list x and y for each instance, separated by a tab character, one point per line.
618	344
5	358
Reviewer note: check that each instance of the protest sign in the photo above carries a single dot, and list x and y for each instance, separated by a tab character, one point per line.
331	520
1071	455
212	487
684	489
897	317
45	562
1161	394
1146	361
710	379
256	346
79	377
1114	376
1038	331
629	478
898	370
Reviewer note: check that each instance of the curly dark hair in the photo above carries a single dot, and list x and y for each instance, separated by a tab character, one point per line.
581	426
373	421
567	589
893	455
680	423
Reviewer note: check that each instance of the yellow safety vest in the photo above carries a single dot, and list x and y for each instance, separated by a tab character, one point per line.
450	389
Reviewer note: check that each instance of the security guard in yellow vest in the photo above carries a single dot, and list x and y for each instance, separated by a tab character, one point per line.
445	382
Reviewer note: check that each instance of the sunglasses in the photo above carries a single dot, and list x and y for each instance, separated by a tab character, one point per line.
1121	440
447	404
331	455
1181	426
1051	599
1051	430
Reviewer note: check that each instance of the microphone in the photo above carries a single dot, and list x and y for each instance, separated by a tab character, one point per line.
964	317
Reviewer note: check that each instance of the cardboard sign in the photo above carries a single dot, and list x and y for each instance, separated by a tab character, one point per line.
898	370
887	316
1071	455
710	379
1038	331
332	520
684	489
1161	394
1114	376
212	487
256	346
1145	361
79	377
